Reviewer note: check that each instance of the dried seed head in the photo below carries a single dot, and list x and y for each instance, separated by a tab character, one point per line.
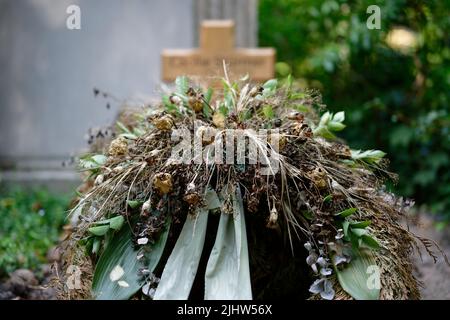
196	104
319	177
192	198
118	147
163	182
165	123
272	222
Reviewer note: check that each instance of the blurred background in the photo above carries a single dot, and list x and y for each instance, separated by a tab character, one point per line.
393	83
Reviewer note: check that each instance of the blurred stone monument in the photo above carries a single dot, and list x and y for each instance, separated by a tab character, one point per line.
48	72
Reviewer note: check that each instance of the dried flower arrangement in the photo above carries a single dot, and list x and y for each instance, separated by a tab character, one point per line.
287	210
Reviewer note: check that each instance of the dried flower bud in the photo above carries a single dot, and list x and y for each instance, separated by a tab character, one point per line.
297	116
99	180
272	222
192	198
118	147
165	123
196	104
175	100
163	182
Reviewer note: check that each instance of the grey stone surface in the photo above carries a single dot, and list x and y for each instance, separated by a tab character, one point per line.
48	72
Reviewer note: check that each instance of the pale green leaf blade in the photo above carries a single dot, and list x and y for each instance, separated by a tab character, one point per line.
99	230
355	277
227	275
121	252
116	222
180	270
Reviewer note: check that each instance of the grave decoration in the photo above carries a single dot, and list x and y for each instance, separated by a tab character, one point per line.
244	193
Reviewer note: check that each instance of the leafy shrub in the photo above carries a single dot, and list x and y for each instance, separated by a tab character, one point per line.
396	97
30	223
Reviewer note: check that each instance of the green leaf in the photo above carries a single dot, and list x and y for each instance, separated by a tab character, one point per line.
270	84
307	214
116	222
99	230
269	87
335	126
361	224
121	252
339	117
122	127
100	159
134	203
328	198
369	156
355	277
208	95
345	226
227	273
212	200
359	232
96	245
346	212
182	85
370	242
268	111
181	267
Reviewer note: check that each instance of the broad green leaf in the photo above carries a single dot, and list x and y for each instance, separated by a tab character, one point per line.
116	222
99	230
345	226
181	267
96	245
359	232
355	278
347	212
335	126
100	159
212	200
113	223
227	275
370	242
324	119
339	117
121	254
270	84
361	224
328	198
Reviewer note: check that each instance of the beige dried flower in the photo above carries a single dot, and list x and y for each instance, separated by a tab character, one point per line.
163	182
118	147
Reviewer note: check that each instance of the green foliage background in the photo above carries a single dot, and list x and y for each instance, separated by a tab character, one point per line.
30	224
395	101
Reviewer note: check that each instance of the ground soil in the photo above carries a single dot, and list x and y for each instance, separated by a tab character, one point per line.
435	277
